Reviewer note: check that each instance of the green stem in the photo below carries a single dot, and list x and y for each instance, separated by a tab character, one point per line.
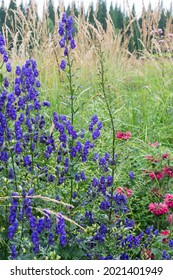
102	74
15	177
71	90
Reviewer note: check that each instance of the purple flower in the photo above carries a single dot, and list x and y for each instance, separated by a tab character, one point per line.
13	252
74	195
99	125
124	256
8	67
73	152
95	134
109	181
33	222
63	240
61	29
4	156
82	175
11	174
105	205
18	70
60	225
51	178
27	160
171	243
63	64
5	57
72	44
50	238
62	43
37	105
40	225
63	138
66	51
64	17
6	83
11	232
46	103
30	192
35	237
94	119
36	248
18	149
90	216
131	175
38	83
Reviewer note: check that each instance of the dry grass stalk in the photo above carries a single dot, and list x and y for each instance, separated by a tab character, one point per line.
41	197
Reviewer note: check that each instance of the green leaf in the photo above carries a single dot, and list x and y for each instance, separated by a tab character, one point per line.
1	78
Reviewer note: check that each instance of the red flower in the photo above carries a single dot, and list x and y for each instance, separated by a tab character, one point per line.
155	144
169	200
165	156
170	218
147	254
156	175
125	191
123	135
158	208
151	158
168	170
165	232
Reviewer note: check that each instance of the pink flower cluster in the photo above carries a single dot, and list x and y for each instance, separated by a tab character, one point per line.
158	208
123	135
127	192
168	170
168	200
165	232
152	159
162	208
170	218
155	144
156	175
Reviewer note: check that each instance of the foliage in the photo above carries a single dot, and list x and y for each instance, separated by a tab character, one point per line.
72	192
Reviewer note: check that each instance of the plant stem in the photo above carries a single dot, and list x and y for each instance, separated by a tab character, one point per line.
15	178
71	90
103	80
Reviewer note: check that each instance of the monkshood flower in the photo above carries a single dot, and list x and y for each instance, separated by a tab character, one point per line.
2	44
13	252
60	229
4	53
89	216
13	222
99	236
35	241
105	205
166	256
124	256
95	129
67	41
131	175
129	223
51	238
13	208
63	64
